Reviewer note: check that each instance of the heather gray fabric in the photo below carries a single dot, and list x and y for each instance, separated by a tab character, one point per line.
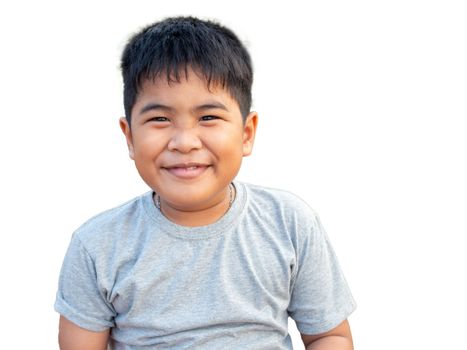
228	285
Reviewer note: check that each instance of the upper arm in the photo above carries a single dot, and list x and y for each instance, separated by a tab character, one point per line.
342	330
73	337
320	295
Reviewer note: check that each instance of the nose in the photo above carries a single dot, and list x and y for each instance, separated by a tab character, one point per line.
185	140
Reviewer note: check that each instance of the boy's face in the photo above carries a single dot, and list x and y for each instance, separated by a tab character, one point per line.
187	141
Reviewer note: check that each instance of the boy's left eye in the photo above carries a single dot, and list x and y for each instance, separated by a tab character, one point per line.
209	117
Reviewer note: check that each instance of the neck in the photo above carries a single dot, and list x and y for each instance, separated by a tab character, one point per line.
200	217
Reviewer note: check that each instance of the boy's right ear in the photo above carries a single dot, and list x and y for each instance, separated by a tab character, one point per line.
127	132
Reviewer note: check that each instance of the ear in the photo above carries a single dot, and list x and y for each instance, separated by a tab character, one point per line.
249	132
129	139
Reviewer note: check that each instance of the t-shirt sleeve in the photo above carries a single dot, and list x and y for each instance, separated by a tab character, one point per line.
79	297
321	298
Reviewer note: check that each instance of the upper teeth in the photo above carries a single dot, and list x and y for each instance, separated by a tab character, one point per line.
192	167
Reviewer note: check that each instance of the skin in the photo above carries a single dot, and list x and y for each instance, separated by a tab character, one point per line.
338	338
72	337
182	124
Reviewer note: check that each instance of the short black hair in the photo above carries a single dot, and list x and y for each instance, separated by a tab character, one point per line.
174	45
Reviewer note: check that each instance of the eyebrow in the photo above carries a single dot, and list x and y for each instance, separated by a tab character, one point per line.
158	106
154	106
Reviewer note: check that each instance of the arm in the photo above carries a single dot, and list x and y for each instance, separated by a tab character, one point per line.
72	337
339	338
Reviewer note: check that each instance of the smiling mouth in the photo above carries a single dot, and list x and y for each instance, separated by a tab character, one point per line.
189	171
193	167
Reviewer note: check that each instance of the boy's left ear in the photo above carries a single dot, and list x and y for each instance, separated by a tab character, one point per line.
249	132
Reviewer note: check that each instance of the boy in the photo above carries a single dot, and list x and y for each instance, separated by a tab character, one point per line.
201	261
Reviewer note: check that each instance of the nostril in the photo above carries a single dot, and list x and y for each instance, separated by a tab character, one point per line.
185	142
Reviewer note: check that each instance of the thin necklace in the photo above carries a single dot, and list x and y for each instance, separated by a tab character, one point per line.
231	198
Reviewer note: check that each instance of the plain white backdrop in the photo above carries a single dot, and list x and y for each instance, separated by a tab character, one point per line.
363	114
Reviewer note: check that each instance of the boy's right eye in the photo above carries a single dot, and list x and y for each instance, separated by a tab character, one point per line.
159	119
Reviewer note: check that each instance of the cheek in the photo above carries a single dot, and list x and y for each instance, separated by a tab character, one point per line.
223	140
148	144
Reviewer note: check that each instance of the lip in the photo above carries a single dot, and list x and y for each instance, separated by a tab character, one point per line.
187	170
186	165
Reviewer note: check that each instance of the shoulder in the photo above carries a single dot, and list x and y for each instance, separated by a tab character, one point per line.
280	204
105	228
276	198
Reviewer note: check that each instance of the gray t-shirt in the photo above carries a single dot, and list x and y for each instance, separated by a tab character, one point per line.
228	285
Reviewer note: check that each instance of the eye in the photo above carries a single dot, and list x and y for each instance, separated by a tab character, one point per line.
209	117
159	119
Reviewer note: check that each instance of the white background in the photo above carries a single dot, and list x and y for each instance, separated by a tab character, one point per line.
363	110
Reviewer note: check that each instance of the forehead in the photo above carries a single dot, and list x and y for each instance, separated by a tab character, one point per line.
184	80
190	90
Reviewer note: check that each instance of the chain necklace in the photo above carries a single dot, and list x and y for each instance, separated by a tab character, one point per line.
231	198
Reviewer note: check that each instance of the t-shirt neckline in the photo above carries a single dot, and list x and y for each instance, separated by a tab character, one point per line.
226	222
